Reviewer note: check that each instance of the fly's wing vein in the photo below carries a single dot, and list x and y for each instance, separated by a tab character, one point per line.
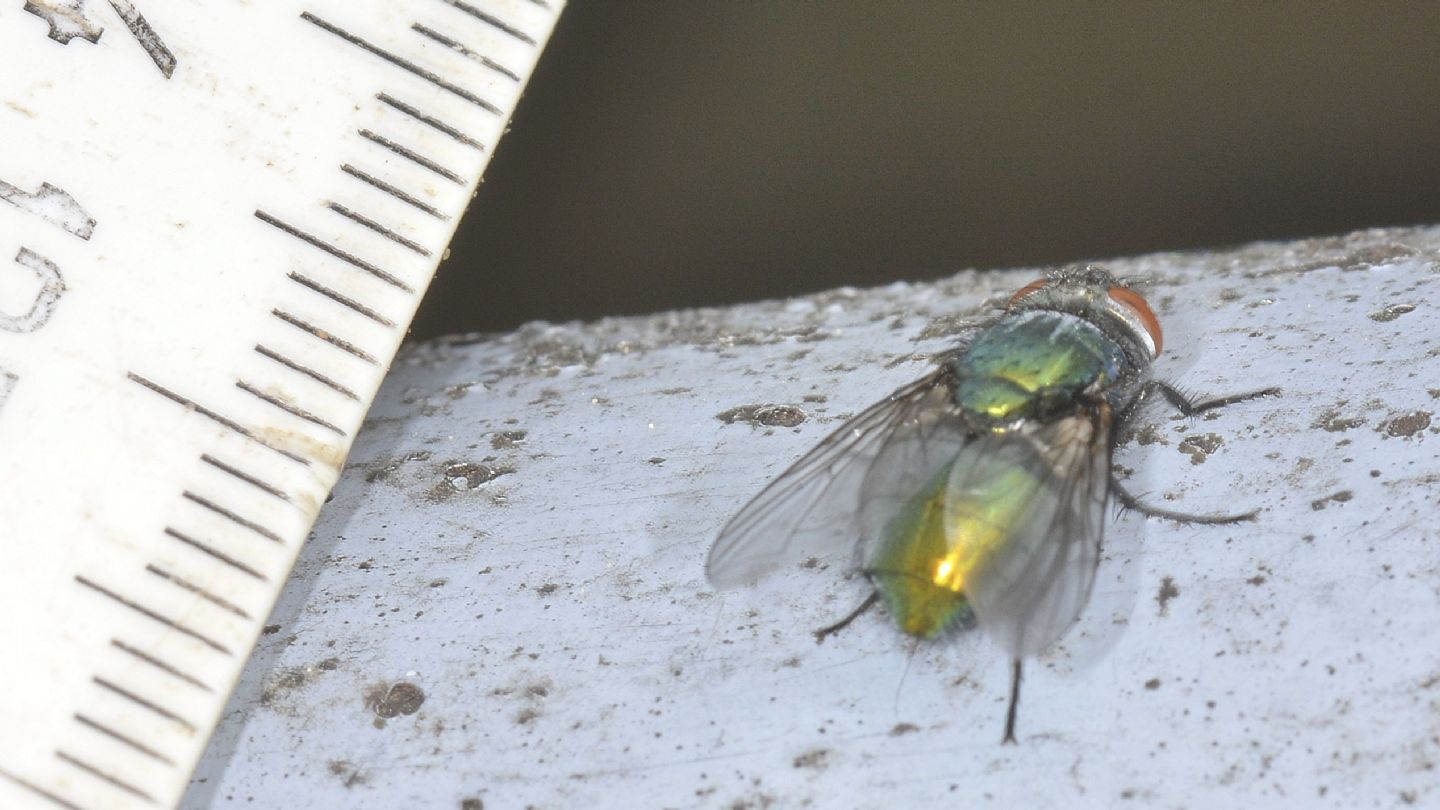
811	508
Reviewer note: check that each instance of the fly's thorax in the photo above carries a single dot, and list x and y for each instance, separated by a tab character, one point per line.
1037	365
1096	296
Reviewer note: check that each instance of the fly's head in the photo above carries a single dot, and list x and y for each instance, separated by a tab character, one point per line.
1092	293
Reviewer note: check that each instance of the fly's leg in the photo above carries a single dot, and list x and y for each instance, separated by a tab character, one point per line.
1014	705
825	632
1135	504
1187	407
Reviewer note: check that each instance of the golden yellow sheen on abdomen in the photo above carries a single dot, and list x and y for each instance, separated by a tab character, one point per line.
930	550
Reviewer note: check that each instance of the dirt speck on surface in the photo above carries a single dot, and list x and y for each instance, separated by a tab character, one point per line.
1199	447
1152	684
1405	425
901	729
346	772
1343	496
1332	422
464	476
507	439
761	801
389	700
531	693
767	415
1167	591
471	803
382	469
1150	434
815	759
281	692
547	351
457	391
283	681
1391	312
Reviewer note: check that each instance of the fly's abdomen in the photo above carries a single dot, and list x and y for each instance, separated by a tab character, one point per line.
941	539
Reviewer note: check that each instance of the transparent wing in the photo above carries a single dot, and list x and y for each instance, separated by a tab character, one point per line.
812	508
904	467
1034	582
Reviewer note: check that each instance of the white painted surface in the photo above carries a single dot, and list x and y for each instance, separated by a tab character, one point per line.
570	654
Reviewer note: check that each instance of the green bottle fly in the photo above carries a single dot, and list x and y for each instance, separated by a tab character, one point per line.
976	495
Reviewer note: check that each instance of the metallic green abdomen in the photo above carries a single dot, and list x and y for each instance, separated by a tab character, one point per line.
942	538
1033	366
902	569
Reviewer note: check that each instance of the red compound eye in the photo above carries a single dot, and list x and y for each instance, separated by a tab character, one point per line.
1132	301
1038	284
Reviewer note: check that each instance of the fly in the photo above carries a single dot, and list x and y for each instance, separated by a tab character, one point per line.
976	495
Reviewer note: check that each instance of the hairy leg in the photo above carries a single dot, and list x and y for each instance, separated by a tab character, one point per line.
1129	501
1189	407
825	632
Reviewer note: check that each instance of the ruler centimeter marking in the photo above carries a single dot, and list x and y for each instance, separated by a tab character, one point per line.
239	278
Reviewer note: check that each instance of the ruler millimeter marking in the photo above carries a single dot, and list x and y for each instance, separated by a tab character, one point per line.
217	222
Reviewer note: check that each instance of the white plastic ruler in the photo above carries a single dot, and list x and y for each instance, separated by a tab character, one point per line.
216	222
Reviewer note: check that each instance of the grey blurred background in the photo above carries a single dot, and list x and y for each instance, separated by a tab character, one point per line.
675	154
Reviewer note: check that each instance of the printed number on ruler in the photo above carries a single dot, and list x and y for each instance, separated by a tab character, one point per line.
67	19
